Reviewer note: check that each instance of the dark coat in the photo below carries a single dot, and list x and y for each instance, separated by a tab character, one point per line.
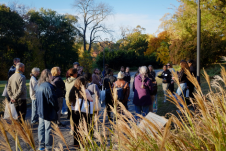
60	86
151	75
109	80
182	77
127	77
12	70
193	70
142	96
47	104
166	76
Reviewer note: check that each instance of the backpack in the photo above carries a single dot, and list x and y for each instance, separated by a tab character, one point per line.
120	92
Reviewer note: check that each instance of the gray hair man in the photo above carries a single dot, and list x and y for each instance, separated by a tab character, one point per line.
17	90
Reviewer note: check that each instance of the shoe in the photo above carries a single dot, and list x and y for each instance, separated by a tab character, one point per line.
61	125
71	132
40	149
65	113
34	123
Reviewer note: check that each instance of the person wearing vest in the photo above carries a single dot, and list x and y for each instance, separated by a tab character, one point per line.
124	86
33	82
17	90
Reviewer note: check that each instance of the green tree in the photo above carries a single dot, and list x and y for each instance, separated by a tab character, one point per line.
182	28
11	31
56	34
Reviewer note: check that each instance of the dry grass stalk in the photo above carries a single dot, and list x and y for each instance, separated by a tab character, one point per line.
3	132
57	132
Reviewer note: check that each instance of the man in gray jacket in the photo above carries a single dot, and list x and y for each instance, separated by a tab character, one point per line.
17	90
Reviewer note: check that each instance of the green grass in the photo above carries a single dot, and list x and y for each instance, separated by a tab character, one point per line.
168	107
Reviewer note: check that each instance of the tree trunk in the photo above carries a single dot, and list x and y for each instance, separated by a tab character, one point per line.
84	38
90	46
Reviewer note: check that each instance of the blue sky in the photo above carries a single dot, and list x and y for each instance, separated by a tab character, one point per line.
127	13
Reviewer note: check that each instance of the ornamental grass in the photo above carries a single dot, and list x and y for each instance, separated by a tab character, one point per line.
203	128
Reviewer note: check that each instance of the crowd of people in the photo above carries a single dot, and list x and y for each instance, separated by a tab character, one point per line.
81	93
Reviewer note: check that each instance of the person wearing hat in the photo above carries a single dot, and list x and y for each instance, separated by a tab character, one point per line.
76	65
121	83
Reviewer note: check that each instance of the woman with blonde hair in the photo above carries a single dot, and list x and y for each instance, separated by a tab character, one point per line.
33	82
60	90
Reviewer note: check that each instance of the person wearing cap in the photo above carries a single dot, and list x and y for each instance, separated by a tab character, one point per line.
121	83
76	65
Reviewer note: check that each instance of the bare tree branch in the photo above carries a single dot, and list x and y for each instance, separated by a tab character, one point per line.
93	15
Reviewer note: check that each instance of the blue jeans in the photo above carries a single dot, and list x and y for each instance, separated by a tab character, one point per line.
183	87
143	110
44	134
64	108
179	92
34	115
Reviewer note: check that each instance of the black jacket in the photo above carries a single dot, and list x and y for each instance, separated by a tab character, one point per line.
193	71
109	80
59	85
165	76
127	77
151	75
182	77
12	70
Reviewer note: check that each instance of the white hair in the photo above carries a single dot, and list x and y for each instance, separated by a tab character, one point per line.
35	70
19	65
143	70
